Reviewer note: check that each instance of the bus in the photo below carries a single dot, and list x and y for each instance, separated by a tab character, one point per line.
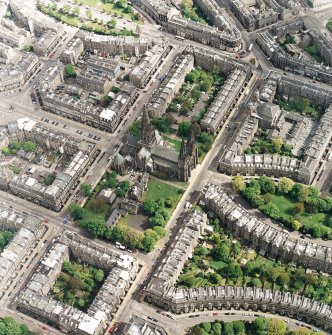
179	38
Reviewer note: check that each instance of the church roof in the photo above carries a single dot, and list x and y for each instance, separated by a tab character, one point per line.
163	152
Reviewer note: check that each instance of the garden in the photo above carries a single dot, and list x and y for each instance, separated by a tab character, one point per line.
73	17
159	203
78	285
264	145
221	260
260	326
5	237
297	206
193	12
301	105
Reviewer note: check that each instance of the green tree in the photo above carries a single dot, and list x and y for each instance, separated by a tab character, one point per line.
296	225
260	326
184	129
238	184
221	252
277	144
277	327
86	189
267	185
238	327
298	208
284	279
228	329
150	206
96	226
99	275
216	328
157	220
98	205
76	211
70	70
285	185
206	326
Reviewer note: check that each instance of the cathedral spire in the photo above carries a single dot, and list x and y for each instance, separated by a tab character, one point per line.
183	150
148	136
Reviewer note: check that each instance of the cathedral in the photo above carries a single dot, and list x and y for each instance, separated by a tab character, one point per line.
149	154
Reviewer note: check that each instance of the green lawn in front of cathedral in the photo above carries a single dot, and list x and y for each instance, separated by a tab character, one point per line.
158	189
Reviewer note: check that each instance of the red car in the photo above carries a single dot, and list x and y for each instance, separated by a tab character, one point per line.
113	329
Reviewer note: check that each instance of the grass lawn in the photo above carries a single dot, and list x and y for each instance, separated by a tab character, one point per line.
218	264
175	142
107	7
286	205
158	189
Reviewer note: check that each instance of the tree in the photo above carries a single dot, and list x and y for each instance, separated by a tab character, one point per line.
75	211
277	144
150	206
296	225
233	270
206	326
271	209
299	192
98	205
277	327
184	129
96	226
238	184
267	185
222	251
228	329
149	240
70	70
298	208
29	146
285	185
111	24
260	325
157	220
216	328
238	327
283	279
86	189
99	275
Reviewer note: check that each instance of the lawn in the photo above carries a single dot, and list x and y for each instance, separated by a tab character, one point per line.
286	205
174	142
158	189
107	7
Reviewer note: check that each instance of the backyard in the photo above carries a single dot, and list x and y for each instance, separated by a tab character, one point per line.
77	285
264	145
301	105
5	237
74	17
221	260
294	205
